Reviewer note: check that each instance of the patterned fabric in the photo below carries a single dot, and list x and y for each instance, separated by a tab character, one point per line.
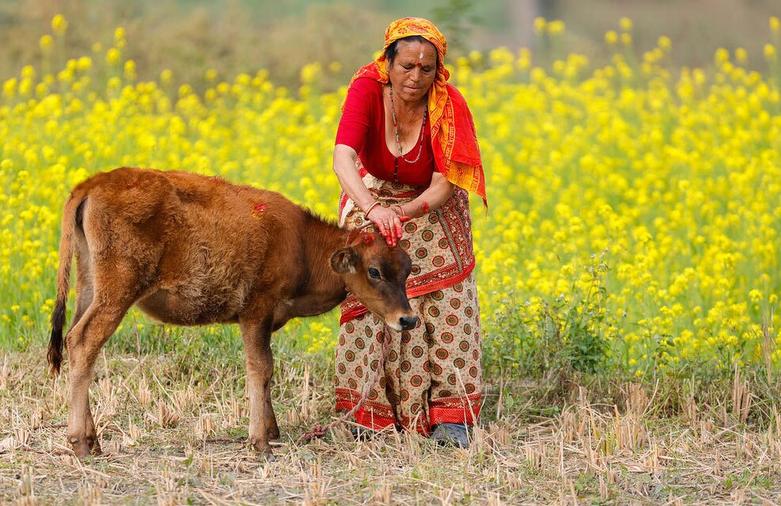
439	243
431	374
454	140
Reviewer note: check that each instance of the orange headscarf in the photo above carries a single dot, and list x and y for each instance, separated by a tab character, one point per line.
453	137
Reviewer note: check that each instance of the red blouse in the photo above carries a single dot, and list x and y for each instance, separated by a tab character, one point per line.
362	127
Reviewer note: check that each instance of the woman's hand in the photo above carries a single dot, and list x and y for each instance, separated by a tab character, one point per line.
387	222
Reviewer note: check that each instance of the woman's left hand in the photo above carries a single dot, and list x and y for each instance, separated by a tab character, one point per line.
387	222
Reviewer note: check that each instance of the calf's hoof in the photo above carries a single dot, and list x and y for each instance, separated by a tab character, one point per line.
261	447
273	433
84	446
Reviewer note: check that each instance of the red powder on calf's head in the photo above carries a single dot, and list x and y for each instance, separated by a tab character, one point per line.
359	236
258	208
351	237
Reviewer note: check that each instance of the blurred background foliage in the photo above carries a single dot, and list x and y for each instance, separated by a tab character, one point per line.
233	36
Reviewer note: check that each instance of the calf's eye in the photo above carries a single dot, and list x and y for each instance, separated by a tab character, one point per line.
374	273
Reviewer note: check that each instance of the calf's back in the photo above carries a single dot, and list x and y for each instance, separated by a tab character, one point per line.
198	246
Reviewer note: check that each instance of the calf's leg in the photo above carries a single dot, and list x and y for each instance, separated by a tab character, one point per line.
268	412
107	296
84	342
257	347
83	289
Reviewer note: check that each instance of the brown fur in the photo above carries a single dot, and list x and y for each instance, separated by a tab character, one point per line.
189	250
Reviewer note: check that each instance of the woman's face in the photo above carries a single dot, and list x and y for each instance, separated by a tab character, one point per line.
413	70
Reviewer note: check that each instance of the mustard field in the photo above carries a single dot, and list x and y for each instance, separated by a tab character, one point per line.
633	219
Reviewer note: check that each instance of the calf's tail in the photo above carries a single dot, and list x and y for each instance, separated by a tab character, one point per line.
54	355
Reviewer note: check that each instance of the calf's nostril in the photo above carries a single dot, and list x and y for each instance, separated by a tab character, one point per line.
408	322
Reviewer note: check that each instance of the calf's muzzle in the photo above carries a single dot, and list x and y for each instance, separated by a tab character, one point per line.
408	322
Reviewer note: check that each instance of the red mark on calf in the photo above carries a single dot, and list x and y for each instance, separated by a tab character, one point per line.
360	236
258	209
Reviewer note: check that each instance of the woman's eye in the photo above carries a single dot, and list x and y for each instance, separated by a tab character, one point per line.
374	273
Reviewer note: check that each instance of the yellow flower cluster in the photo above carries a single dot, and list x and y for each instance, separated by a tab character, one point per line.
650	197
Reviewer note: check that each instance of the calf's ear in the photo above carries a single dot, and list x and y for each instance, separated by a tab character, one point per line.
344	260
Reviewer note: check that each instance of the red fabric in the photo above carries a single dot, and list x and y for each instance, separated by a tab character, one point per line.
453	136
463	410
362	127
374	416
371	415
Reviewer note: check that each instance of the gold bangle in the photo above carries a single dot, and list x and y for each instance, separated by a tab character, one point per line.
367	211
401	210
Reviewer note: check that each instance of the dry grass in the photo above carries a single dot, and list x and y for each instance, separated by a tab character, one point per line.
174	432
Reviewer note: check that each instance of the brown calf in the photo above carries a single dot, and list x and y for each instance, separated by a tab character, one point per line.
190	250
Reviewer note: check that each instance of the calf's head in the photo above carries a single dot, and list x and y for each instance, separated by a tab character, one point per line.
377	274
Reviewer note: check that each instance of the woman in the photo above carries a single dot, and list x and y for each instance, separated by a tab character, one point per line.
405	153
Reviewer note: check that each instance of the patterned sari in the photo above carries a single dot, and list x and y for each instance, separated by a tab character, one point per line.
430	374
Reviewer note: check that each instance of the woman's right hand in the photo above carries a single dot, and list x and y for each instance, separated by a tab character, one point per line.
387	222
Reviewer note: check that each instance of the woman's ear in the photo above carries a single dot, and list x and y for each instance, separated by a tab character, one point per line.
344	260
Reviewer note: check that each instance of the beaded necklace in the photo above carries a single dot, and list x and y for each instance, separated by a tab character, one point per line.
396	133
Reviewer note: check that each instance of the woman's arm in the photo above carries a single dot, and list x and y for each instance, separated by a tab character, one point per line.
345	158
432	197
386	220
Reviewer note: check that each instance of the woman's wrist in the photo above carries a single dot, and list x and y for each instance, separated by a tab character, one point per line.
414	209
371	206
